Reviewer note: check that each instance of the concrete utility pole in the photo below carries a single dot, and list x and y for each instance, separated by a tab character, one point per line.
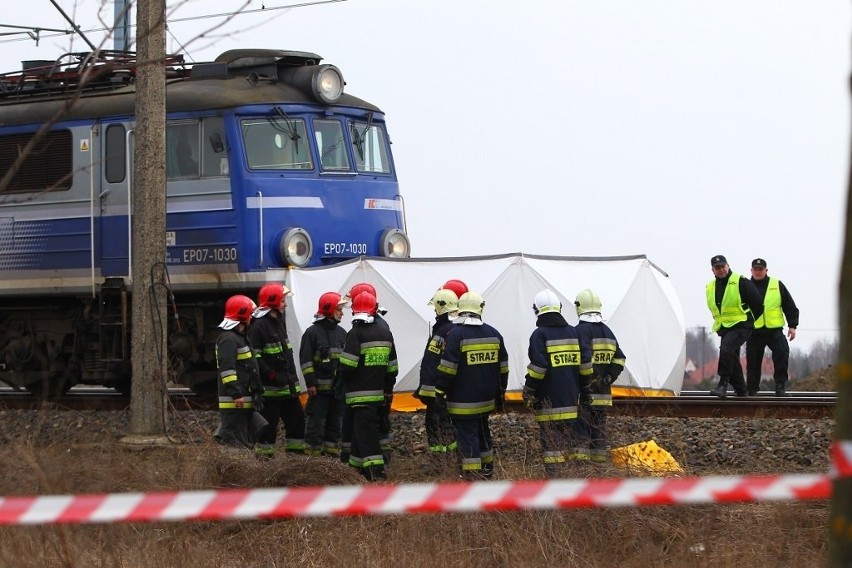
149	309
840	524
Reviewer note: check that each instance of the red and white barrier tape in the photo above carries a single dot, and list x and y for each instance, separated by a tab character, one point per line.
408	499
841	459
423	497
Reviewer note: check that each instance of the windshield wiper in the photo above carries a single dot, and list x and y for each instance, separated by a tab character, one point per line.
359	136
290	126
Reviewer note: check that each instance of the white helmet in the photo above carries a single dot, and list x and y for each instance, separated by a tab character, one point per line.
546	301
471	302
587	302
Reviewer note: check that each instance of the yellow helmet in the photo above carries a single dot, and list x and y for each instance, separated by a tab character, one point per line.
471	302
587	302
444	301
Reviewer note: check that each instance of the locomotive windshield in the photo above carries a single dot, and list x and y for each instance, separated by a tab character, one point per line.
369	148
277	144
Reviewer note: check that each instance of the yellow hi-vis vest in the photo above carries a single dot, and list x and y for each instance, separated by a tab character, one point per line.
732	304
773	316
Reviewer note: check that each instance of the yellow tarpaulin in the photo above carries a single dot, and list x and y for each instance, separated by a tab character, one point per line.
645	456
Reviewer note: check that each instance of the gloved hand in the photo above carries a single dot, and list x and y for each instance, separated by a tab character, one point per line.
500	401
611	379
529	397
440	401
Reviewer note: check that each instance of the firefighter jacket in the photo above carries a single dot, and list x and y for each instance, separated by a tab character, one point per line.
432	356
274	354
238	373
368	365
734	302
607	360
558	359
474	368
777	305
319	354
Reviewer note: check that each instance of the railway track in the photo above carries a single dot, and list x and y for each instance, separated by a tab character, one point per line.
690	404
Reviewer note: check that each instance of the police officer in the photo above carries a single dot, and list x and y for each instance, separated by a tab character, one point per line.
319	356
769	329
552	386
239	383
607	364
471	384
735	305
439	429
274	353
368	369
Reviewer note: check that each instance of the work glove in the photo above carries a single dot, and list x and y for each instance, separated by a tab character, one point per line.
529	397
440	401
500	400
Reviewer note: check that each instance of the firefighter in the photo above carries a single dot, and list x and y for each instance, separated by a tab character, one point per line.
607	364
558	361
368	369
274	354
471	384
239	383
439	429
384	421
458	287
319	357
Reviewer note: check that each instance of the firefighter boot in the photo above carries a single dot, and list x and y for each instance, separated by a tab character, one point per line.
781	390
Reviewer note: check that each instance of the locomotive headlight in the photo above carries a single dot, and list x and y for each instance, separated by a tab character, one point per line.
296	247
328	83
394	244
323	82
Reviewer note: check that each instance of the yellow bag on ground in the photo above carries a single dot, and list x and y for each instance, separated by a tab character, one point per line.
645	456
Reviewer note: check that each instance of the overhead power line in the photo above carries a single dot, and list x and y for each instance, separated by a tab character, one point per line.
37	35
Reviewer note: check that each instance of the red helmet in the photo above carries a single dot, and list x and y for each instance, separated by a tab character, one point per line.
457	286
239	308
361	287
272	295
328	303
364	303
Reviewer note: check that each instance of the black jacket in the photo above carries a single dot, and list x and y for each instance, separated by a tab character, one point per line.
319	354
274	353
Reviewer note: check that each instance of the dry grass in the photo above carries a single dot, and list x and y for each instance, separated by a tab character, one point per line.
765	535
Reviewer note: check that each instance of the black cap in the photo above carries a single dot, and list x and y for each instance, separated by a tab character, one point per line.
758	263
718	259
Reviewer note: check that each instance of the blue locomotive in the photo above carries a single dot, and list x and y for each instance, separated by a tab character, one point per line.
270	165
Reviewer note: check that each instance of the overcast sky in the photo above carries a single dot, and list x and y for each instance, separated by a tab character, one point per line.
678	130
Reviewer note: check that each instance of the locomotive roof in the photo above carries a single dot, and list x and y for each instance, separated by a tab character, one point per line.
235	78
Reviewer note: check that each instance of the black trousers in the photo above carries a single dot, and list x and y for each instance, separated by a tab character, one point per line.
439	428
756	346
366	453
475	443
324	414
730	368
289	411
